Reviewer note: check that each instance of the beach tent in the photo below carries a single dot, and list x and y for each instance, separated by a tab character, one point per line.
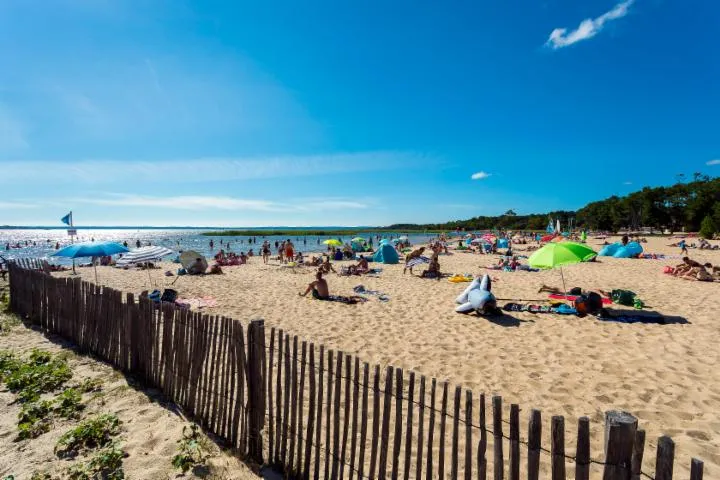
386	254
630	250
357	247
502	243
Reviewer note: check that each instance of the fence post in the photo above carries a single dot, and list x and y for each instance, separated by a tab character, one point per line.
620	428
256	390
665	458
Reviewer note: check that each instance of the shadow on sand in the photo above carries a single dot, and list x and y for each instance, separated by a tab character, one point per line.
640	316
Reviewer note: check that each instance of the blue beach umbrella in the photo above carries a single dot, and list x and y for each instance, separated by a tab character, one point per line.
91	249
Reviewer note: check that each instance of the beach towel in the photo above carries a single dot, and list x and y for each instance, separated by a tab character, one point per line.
460	278
362	290
199	302
572	298
346	300
417	261
530	308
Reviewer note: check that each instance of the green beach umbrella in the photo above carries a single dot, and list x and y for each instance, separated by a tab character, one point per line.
358	240
334	242
560	254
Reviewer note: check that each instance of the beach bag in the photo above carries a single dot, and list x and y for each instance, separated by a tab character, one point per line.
623	297
169	295
154	296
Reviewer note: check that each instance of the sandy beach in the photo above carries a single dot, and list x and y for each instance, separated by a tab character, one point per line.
667	375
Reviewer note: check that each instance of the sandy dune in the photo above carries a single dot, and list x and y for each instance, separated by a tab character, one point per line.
668	375
150	429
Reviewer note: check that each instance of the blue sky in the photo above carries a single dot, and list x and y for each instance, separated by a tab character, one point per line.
237	113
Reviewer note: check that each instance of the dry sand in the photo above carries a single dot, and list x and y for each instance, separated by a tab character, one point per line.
667	375
150	429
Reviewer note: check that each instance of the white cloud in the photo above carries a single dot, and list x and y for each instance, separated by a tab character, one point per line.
713	162
202	169
480	175
627	183
203	202
588	28
11	205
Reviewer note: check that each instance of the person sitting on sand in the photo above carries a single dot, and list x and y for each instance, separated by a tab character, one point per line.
433	270
197	267
414	254
361	267
319	288
327	267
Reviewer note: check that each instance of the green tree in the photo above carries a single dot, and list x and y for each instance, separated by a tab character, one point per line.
708	228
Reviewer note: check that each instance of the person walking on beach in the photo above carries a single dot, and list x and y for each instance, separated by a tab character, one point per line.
137	243
683	247
265	251
289	251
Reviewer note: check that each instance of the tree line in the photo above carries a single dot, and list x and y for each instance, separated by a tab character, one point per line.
691	205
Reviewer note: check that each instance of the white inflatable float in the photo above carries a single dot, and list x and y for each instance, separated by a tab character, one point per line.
476	296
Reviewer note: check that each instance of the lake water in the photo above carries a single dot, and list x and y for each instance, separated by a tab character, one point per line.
41	243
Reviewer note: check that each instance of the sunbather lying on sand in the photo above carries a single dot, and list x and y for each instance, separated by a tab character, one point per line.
693	270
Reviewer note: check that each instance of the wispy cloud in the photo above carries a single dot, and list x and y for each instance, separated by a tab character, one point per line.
627	183
201	202
11	205
97	172
588	28
480	175
713	162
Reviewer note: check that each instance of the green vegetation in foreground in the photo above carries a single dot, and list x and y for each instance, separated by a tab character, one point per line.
96	435
28	379
314	233
192	450
93	433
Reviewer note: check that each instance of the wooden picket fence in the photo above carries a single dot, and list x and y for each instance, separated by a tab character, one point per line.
311	412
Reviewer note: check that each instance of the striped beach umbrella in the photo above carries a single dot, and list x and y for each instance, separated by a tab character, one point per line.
144	254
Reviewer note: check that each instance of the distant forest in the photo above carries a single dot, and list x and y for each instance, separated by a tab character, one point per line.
692	205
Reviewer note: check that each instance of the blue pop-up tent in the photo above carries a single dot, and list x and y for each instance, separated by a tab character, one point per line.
386	254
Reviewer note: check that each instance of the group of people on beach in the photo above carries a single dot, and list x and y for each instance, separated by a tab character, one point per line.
693	270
